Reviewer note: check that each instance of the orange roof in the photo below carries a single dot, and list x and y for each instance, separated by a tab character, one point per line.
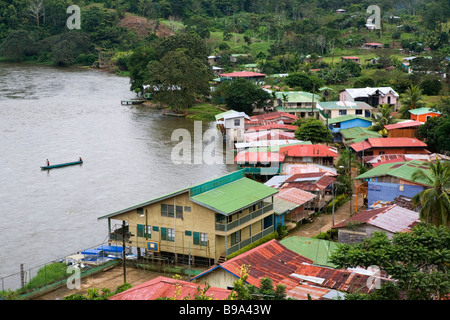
309	150
162	287
351	58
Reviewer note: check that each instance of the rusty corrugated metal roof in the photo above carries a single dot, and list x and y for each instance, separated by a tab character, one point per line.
162	287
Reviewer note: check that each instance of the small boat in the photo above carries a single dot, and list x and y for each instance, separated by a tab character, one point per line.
61	165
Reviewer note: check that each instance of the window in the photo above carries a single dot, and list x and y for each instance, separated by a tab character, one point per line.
401	187
237	122
179	212
200	238
236	237
342	112
144	231
168	234
187	209
267	222
358	111
168	210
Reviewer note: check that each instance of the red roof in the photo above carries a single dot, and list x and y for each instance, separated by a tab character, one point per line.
270	259
391	218
400	158
274	115
388	143
269	135
295	195
351	58
309	184
273	126
308	150
162	287
401	125
373	44
242	74
254	157
337	279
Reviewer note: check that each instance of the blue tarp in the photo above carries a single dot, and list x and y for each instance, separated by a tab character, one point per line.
92	251
117	249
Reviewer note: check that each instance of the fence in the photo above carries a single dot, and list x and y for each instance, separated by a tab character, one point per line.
41	276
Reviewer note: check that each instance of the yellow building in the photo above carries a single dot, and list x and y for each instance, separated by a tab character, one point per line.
208	221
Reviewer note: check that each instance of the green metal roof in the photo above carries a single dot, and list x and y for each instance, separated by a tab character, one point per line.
287	110
347	118
317	250
234	196
402	170
422	110
226	194
359	133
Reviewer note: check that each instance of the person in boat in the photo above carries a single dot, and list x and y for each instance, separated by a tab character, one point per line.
48	163
80	159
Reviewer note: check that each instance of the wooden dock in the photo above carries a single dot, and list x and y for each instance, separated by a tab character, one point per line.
128	102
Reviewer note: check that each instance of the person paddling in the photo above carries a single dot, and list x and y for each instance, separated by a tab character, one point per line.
48	163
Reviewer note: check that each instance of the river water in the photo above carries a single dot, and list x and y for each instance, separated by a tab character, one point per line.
62	114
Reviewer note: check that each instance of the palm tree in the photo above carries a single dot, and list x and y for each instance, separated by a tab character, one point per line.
412	99
434	201
383	118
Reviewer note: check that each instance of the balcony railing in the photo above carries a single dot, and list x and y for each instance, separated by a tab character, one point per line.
250	240
221	226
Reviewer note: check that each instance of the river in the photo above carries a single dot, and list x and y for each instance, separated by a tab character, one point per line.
62	114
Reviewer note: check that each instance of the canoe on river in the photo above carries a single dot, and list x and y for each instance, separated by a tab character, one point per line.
61	165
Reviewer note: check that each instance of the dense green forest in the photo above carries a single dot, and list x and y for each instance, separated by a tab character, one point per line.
304	38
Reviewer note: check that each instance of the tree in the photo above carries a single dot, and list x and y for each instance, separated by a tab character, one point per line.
313	130
243	95
16	45
435	133
417	261
199	25
36	10
384	117
179	79
435	201
412	99
303	80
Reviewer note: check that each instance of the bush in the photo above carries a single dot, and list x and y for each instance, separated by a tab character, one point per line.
338	201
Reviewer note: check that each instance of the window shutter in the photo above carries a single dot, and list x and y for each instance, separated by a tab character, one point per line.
140	230
163	234
196	238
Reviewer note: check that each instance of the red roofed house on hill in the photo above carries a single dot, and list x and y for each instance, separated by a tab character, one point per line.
271	117
249	75
377	146
318	183
389	219
407	129
311	153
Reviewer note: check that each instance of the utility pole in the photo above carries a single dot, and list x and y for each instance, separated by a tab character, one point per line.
125	237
